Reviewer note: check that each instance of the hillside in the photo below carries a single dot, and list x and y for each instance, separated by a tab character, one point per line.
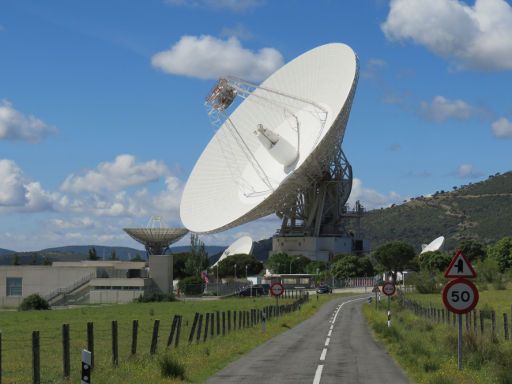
5	251
480	211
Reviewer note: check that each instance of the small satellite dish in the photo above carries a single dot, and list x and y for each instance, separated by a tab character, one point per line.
241	245
435	245
281	137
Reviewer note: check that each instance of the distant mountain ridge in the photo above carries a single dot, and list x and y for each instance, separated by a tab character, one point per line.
5	251
481	211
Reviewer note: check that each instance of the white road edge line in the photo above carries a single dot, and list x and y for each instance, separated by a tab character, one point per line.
322	356
318	374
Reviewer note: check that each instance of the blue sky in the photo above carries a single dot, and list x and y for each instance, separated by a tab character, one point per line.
102	116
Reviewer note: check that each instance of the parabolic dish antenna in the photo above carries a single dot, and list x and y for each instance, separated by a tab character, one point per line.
282	137
435	245
155	237
242	245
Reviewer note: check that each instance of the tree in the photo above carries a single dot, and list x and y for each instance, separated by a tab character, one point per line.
92	254
299	264
502	253
473	250
16	260
351	266
198	260
434	261
316	266
113	255
394	256
178	261
279	263
227	266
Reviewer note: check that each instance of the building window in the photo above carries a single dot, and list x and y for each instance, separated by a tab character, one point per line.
13	285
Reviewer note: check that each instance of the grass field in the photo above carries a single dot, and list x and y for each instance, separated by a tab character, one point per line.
427	351
199	360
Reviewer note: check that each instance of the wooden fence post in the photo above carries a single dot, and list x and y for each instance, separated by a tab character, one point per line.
173	331
212	316
154	338
505	325
239	319
135	331
36	362
66	361
206	325
493	324
0	357
229	321
90	341
199	326
234	322
193	330
218	323
223	323
178	331
115	354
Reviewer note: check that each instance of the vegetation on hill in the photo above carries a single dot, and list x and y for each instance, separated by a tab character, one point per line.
479	211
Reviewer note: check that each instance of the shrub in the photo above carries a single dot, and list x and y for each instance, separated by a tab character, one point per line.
155	296
34	302
192	285
171	367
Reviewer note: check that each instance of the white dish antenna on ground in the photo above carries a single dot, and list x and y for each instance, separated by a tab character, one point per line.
241	245
279	149
435	245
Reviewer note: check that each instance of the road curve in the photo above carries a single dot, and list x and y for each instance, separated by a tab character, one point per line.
333	346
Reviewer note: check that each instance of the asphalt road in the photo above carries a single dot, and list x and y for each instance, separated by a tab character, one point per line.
333	346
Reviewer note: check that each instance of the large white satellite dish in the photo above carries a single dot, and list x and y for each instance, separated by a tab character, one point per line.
242	245
434	245
275	150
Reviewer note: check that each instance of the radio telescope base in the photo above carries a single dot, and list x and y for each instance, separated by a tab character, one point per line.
322	248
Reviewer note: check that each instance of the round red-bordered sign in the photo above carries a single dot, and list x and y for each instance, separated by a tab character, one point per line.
276	289
388	289
460	296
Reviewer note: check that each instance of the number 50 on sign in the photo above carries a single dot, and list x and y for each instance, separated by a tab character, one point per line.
460	296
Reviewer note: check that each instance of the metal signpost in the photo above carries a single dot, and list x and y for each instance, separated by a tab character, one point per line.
86	367
460	295
389	290
277	290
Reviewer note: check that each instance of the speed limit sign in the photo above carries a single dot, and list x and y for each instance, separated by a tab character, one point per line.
276	289
460	296
388	289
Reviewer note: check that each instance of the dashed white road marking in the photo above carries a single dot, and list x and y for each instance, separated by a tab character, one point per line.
322	356
327	341
330	333
318	374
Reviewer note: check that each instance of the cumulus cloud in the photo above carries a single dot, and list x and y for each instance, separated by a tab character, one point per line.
124	172
467	171
477	36
16	126
502	128
372	68
370	198
20	194
442	109
238	31
207	57
231	5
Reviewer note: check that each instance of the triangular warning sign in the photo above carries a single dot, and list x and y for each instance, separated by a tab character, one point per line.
460	267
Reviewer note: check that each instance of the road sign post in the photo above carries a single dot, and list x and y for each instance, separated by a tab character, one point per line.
460	295
86	367
277	289
389	290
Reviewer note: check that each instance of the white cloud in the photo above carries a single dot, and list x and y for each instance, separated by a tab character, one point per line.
502	128
232	5
122	173
372	68
16	126
207	57
442	109
467	171
19	194
370	198
238	31
477	36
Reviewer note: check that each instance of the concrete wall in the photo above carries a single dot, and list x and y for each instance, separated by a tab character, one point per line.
38	279
113	296
160	271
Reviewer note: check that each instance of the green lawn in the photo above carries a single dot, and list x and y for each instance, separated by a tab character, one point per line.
200	360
